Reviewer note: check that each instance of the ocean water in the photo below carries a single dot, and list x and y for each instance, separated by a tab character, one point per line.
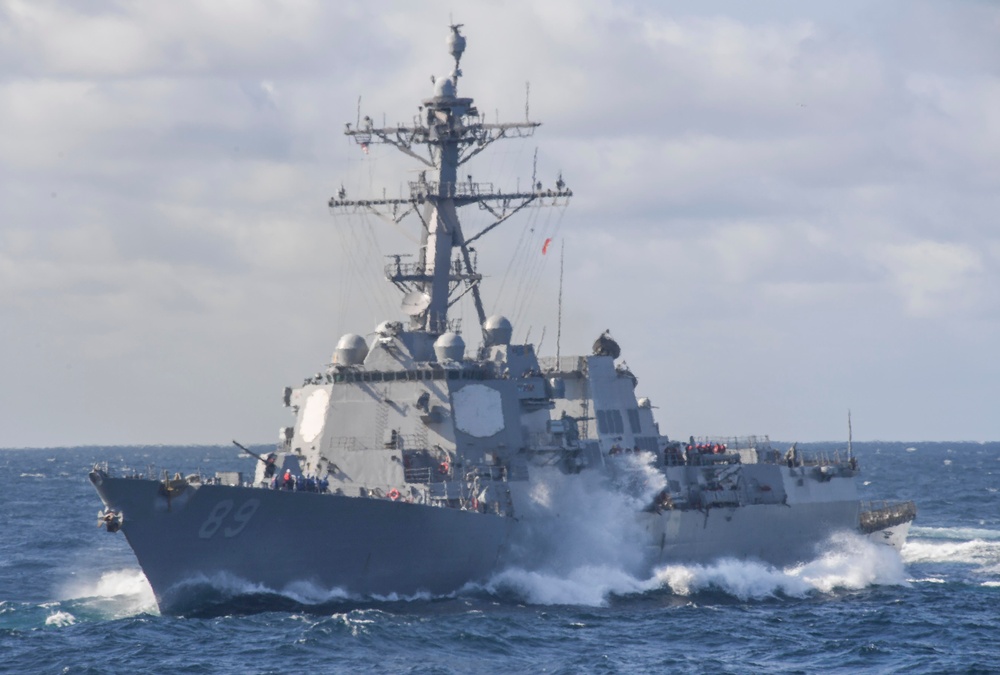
73	600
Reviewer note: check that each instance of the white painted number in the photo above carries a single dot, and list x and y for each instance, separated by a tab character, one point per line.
214	520
218	515
242	516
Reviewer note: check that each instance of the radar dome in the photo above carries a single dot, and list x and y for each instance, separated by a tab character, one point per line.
351	350
444	87
449	347
497	330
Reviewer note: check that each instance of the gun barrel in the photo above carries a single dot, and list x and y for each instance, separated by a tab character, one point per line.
248	451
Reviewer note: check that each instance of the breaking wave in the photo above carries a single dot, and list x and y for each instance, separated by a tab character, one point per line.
574	522
582	545
115	594
60	619
112	595
228	594
848	562
586	585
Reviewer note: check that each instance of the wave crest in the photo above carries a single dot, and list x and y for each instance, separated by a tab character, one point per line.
847	562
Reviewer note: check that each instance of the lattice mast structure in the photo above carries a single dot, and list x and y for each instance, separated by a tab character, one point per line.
447	132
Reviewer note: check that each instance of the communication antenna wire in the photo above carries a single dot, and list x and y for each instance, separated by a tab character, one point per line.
562	257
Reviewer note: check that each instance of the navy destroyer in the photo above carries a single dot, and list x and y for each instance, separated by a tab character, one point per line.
416	464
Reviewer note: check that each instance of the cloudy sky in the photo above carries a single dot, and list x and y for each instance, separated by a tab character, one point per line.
783	209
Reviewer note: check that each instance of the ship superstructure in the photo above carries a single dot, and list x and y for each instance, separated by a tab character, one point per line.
413	461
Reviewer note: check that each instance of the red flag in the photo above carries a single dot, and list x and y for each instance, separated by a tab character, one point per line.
545	246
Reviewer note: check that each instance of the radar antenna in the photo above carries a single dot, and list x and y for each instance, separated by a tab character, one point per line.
447	133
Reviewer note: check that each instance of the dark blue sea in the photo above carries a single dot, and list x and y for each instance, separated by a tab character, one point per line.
73	600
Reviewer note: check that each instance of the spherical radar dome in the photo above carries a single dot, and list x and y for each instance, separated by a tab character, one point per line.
351	350
444	88
449	347
498	330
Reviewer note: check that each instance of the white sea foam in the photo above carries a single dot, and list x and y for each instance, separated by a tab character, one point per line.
579	540
848	561
984	553
229	585
956	533
589	585
60	619
572	523
978	548
583	544
301	592
307	593
743	579
121	592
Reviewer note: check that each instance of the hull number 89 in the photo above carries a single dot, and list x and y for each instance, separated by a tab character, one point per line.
230	525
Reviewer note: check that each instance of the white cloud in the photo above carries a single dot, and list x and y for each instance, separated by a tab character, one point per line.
934	278
765	196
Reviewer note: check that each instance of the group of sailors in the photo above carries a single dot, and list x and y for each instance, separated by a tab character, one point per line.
618	450
674	455
706	448
692	453
287	481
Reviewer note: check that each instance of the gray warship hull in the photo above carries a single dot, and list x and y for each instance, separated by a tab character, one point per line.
203	541
774	534
234	538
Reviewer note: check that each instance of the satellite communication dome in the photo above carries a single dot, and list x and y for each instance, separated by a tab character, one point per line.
449	347
497	330
351	350
415	302
444	87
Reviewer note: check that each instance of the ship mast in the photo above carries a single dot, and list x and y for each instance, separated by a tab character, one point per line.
447	132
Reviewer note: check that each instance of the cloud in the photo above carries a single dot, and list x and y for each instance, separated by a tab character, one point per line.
757	188
935	279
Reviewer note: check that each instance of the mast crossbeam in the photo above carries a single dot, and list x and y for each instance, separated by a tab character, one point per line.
447	133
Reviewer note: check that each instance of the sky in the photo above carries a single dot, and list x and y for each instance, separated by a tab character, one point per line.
782	210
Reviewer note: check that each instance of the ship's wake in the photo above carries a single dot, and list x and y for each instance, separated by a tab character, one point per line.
940	550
